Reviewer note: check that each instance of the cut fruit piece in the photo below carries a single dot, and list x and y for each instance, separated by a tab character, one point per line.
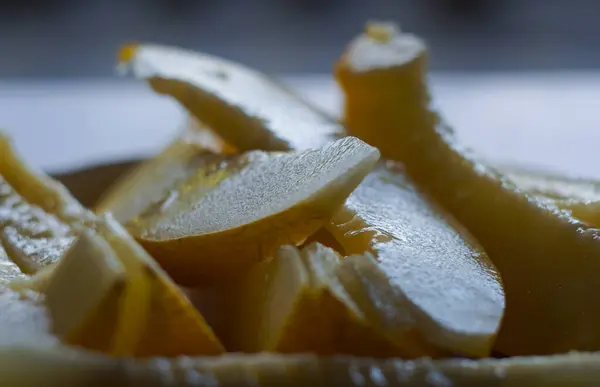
147	183
325	238
581	197
130	308
548	259
9	271
434	262
38	217
172	326
439	280
89	267
31	237
66	367
232	98
24	321
272	295
294	304
90	186
232	212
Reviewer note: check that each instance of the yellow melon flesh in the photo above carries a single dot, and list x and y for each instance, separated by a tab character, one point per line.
221	214
37	188
579	196
104	292
153	307
548	259
38	217
231	98
9	271
439	272
146	183
294	303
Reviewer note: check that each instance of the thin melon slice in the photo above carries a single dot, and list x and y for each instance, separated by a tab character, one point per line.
92	269
230	212
548	258
130	307
146	183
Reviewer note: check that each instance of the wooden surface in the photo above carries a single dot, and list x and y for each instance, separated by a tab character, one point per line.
542	120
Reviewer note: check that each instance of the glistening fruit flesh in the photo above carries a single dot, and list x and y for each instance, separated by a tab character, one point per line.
231	212
413	262
578	195
548	259
134	191
294	303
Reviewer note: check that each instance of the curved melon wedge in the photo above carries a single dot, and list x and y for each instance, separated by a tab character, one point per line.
39	219
548	259
234	100
129	306
231	212
294	303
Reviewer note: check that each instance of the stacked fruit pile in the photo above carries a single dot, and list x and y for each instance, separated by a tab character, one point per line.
306	259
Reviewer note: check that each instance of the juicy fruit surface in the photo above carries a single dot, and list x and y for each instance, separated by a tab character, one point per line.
146	183
467	271
581	197
173	326
294	303
258	200
453	294
37	188
9	270
550	307
130	308
256	186
231	98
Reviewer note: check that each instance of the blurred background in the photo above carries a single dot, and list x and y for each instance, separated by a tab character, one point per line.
50	38
518	79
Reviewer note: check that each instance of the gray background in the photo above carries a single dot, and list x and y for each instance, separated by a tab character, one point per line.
66	38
